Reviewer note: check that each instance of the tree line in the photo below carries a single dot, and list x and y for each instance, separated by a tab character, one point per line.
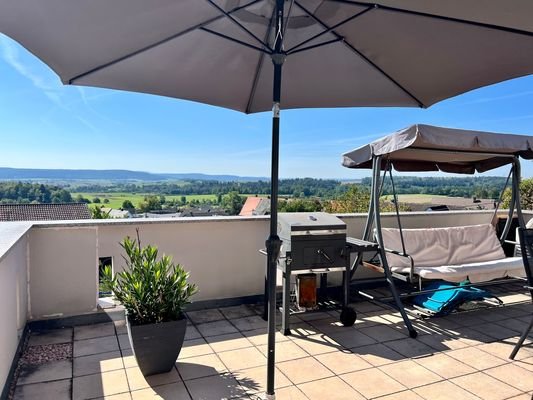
25	193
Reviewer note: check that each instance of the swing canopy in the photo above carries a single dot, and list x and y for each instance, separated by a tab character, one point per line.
421	148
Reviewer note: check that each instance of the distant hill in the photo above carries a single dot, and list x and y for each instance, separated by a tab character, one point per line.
26	174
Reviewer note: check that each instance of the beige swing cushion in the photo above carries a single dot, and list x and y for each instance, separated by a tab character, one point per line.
452	253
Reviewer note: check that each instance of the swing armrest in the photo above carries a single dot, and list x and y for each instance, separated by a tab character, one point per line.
402	254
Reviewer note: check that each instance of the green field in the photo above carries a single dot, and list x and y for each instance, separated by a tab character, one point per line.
116	199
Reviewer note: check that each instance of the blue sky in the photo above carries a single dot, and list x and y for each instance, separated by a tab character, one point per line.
47	125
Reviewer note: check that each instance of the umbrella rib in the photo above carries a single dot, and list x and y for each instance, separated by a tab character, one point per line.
354	50
442	17
160	42
345	21
259	65
314	46
251	46
232	19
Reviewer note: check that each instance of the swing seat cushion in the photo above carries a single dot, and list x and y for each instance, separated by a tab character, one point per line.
452	253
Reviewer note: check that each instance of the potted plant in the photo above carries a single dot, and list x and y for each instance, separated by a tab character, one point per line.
154	292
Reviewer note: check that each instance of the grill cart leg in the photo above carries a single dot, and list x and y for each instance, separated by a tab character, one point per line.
286	312
348	314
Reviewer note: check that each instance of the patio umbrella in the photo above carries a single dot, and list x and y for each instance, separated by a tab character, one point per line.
231	53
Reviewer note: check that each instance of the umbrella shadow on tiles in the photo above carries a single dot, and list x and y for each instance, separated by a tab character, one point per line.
206	382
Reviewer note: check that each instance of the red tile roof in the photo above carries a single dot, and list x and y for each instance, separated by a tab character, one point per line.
252	204
44	212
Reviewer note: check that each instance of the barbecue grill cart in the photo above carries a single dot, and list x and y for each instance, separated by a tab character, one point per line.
316	243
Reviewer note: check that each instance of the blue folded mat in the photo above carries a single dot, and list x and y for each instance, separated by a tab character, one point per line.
445	301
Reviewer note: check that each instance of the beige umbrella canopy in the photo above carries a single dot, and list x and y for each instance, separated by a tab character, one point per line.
231	53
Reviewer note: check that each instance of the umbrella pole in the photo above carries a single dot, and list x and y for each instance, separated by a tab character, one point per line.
273	243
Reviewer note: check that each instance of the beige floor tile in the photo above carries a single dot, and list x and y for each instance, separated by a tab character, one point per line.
286	351
494	330
513	375
242	358
410	348
330	325
472	337
253	380
202	316
352	338
200	366
95	345
172	391
372	383
405	395
526	363
98	363
504	349
442	342
258	337
231	341
93	331
216	328
485	386
137	381
444	391
237	311
194	348
289	393
128	359
445	366
314	316
317	344
410	374
475	358
120	396
304	370
99	385
120	327
250	323
217	387
329	388
341	362
524	396
378	354
383	333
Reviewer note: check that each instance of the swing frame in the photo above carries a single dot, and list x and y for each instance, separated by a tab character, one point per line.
404	155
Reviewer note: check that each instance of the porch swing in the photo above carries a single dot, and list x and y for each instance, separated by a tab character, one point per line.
451	259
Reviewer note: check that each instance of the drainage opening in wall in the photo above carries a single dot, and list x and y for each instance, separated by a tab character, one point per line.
105	299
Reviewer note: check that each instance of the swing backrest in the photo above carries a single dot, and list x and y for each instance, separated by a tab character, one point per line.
435	247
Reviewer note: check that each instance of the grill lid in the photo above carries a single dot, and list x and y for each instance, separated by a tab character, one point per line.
290	223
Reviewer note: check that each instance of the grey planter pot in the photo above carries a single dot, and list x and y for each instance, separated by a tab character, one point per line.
156	346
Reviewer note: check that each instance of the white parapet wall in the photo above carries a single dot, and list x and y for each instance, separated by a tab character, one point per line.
13	297
221	253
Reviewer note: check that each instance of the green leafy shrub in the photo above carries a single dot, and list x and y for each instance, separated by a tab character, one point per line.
152	289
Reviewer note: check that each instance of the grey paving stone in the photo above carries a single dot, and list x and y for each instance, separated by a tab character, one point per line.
237	311
98	363
54	336
56	390
51	371
94	331
200	317
95	346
